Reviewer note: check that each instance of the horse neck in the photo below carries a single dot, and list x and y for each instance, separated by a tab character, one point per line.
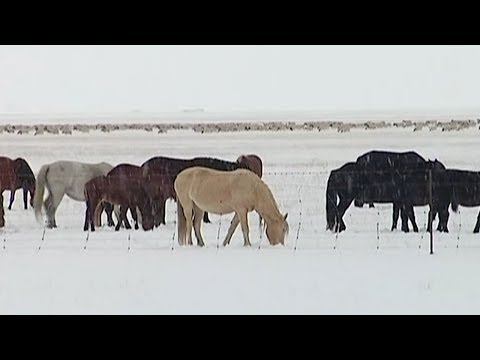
266	205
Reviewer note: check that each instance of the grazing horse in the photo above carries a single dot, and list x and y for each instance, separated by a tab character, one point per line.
202	189
25	181
406	168
8	181
128	171
253	163
119	190
66	177
458	187
159	174
404	188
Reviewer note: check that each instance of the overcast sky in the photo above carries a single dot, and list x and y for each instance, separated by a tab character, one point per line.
55	79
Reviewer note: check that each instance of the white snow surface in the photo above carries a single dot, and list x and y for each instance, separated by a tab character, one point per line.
367	269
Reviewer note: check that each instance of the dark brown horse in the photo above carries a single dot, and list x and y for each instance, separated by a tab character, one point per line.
8	180
25	181
253	162
117	190
159	174
128	171
15	174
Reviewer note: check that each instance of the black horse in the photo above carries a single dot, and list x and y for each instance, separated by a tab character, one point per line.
457	187
381	177
25	179
346	184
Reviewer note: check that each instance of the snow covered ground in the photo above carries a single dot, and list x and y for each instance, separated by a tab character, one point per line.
366	269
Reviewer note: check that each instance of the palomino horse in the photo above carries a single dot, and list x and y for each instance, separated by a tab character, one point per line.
201	189
126	192
131	172
159	174
66	177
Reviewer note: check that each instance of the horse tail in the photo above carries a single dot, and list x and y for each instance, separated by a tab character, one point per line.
182	224
39	191
331	203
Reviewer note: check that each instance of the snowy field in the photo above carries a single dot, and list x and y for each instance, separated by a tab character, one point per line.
365	270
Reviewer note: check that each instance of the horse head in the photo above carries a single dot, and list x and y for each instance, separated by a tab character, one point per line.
147	211
277	230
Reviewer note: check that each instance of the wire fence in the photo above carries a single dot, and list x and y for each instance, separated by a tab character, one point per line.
301	194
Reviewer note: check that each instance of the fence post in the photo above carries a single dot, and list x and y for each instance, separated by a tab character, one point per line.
430	215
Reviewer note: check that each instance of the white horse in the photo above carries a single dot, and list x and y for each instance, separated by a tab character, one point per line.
66	177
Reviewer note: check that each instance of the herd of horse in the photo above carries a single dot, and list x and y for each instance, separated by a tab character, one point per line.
198	185
404	179
201	185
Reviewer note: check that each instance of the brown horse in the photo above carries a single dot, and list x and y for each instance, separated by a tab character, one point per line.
15	174
201	189
253	163
159	174
130	172
117	190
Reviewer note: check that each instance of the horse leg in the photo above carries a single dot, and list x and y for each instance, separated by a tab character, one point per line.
341	209
159	211
396	213
233	226
91	203
477	225
25	198
404	216
87	216
432	213
161	214
32	195
188	211
123	217
133	212
51	204
123	211
2	212
411	216
205	218
443	216
12	199
197	223
109	211
97	217
244	224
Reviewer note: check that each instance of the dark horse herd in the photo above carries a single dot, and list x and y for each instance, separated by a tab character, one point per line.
404	179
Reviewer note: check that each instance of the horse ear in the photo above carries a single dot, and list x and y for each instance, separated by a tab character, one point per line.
285	217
